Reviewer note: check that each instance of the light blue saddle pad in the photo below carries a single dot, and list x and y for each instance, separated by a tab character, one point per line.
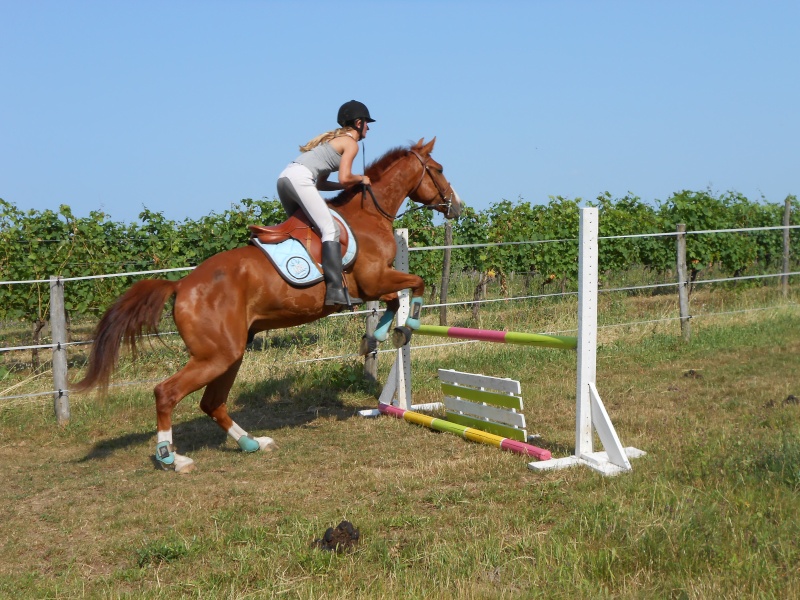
294	263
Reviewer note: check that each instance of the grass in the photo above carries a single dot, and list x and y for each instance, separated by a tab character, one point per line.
710	512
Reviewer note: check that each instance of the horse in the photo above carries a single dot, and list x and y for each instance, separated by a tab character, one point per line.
235	294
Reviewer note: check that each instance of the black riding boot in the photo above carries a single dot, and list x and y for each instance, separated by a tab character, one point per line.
335	292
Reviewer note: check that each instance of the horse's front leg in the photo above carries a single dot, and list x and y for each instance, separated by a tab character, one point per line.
214	405
369	342
417	287
389	283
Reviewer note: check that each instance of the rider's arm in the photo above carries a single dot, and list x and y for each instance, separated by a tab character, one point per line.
346	175
323	185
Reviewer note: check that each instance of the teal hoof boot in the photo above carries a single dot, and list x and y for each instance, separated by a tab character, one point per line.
412	323
382	328
164	455
248	444
415	309
382	333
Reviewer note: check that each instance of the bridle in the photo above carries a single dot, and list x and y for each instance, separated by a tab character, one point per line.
446	194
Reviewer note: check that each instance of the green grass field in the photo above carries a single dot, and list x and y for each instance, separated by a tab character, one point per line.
710	512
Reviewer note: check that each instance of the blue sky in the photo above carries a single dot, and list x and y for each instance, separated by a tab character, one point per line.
187	107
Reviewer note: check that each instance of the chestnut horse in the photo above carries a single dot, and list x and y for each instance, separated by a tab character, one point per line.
237	293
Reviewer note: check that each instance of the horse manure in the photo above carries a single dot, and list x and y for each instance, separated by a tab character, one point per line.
692	374
343	537
790	399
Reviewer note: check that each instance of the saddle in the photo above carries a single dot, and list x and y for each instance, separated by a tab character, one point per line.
299	228
295	249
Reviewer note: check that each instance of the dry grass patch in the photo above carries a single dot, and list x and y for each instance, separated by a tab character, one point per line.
711	509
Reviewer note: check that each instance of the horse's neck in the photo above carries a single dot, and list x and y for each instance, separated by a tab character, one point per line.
390	191
393	188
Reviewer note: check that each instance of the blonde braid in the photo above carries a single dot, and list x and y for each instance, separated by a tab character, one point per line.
325	137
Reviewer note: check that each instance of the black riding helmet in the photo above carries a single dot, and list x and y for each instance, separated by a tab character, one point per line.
352	110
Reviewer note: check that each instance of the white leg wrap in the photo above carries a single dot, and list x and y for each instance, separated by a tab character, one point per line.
165	436
236	432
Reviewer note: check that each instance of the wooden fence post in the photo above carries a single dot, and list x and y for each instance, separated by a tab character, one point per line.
448	241
683	283
787	219
58	327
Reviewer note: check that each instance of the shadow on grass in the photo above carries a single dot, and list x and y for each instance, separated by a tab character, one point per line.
559	450
254	412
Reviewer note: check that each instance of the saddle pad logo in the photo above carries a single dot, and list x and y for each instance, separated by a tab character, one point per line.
298	267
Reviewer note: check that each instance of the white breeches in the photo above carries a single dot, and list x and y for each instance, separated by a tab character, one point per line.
297	189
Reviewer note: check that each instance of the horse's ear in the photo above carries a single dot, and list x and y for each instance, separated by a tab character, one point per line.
429	146
418	145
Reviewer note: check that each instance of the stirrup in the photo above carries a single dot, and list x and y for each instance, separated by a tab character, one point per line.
350	300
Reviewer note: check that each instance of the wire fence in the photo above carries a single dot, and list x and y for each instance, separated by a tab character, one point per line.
4	399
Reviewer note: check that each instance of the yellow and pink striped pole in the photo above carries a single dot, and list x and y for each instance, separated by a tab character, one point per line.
470	433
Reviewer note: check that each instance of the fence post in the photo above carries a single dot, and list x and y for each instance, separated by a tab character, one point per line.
448	241
683	283
371	359
787	219
58	327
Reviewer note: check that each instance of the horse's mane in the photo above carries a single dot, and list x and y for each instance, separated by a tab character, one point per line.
374	171
380	165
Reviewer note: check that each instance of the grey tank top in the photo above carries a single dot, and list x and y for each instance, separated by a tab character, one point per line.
321	160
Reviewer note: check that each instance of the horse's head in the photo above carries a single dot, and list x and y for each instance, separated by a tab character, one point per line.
433	189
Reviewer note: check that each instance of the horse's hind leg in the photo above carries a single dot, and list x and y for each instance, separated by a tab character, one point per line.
214	405
195	375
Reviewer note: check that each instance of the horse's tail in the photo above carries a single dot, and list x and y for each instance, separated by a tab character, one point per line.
134	314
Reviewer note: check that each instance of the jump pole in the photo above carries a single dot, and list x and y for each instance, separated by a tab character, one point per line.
500	337
469	433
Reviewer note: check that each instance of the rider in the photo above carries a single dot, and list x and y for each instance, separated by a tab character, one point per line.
299	185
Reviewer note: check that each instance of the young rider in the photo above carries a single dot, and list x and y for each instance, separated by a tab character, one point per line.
300	183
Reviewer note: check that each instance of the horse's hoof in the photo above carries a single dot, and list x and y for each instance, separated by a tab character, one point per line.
266	444
183	464
401	336
368	345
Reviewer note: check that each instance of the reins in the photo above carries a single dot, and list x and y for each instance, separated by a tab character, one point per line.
447	201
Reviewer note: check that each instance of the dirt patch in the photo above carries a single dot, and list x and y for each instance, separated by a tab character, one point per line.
343	538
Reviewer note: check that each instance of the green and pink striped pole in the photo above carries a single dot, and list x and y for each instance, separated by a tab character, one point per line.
470	433
502	337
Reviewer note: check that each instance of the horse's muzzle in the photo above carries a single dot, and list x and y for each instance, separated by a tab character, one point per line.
455	206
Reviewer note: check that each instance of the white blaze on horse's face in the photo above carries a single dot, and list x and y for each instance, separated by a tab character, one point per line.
454	210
